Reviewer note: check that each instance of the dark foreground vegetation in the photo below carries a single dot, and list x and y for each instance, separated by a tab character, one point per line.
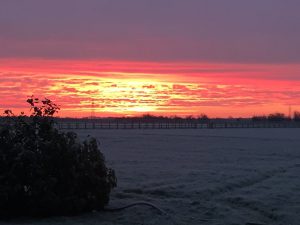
45	172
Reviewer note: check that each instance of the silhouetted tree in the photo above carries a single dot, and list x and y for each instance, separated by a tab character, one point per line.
203	117
276	117
259	118
297	116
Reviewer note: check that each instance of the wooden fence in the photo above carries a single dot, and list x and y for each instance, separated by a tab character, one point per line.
173	125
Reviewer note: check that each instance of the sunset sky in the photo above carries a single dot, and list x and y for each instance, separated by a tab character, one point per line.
164	57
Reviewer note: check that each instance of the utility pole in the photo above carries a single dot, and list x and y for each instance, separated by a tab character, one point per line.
93	109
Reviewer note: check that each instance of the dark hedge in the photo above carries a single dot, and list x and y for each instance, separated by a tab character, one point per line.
45	172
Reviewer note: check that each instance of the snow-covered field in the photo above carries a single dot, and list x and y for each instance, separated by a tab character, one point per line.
224	176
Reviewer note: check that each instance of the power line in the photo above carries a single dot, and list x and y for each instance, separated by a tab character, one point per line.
93	114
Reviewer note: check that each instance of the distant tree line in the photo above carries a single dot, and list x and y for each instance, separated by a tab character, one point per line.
152	118
277	117
273	117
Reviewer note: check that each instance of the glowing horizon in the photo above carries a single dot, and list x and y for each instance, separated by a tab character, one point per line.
131	88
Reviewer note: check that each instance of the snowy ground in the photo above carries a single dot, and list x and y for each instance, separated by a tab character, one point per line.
225	176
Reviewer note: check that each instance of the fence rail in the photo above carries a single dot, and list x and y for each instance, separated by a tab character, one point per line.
174	125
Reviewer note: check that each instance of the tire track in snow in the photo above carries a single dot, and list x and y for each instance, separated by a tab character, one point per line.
247	182
238	202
